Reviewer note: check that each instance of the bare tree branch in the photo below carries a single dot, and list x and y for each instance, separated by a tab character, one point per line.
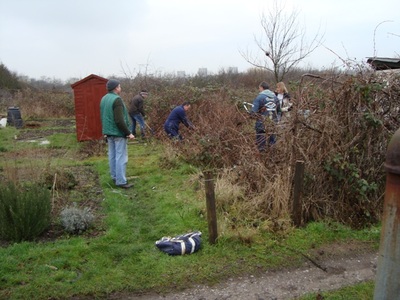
376	28
391	33
284	43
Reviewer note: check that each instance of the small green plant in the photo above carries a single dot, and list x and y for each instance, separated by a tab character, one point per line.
372	121
76	220
348	174
25	211
367	91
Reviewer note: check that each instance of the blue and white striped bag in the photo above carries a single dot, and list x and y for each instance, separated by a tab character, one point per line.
180	245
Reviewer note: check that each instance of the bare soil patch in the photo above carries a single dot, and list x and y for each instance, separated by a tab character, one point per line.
87	193
40	129
69	184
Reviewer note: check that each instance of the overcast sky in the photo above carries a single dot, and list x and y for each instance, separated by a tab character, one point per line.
65	39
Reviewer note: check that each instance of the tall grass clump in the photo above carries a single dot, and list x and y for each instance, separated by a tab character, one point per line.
25	211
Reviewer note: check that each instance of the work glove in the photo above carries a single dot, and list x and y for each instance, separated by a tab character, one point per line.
287	108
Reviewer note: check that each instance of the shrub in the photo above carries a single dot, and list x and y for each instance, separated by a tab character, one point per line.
76	220
61	179
25	211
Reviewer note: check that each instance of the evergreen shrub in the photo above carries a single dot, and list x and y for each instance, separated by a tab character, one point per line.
25	211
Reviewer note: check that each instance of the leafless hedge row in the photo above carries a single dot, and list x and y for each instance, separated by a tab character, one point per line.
340	127
35	104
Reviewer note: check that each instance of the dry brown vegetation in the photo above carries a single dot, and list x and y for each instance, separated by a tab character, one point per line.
342	142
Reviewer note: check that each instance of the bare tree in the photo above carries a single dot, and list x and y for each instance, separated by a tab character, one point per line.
284	43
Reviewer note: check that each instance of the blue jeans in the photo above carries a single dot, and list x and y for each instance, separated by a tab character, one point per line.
117	158
139	119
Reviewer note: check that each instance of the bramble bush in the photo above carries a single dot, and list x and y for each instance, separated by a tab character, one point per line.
342	140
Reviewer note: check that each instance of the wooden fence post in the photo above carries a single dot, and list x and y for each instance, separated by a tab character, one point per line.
298	188
211	211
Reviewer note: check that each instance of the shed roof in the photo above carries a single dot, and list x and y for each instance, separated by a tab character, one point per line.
384	63
91	76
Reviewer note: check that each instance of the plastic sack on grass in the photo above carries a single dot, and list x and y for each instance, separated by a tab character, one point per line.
180	245
3	122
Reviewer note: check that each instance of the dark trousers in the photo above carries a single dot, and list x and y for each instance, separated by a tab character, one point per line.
173	131
261	139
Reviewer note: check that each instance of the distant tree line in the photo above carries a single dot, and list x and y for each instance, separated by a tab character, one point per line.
8	79
11	82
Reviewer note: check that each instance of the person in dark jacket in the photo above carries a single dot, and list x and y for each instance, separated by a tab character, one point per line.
177	116
115	126
265	108
136	112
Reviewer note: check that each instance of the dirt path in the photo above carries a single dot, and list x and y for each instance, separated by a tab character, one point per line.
327	274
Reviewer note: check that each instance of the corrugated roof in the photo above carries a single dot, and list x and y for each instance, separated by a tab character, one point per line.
384	63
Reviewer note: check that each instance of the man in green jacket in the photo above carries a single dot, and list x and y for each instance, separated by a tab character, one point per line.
115	126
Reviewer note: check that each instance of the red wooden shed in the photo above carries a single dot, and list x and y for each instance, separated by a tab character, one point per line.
87	95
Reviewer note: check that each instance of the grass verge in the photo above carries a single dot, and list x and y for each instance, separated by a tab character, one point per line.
362	291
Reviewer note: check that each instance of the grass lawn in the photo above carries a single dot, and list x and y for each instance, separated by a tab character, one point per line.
163	202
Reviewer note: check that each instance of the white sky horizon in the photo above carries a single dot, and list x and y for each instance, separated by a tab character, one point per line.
73	39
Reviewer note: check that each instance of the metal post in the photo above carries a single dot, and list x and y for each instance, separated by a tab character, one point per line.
387	284
211	211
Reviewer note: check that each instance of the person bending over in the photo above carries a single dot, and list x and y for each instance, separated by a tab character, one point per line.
175	118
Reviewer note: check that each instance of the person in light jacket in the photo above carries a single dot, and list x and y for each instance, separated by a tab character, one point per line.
283	96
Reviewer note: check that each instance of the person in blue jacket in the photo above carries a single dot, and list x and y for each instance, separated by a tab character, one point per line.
177	116
265	107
